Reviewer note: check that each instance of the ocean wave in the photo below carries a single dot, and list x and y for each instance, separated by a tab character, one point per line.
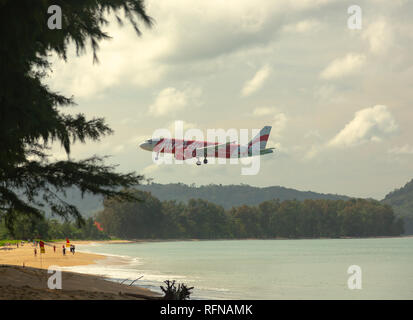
126	269
130	259
115	269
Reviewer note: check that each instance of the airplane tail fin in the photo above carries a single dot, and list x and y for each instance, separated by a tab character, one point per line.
261	138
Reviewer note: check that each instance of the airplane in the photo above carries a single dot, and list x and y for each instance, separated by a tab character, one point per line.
188	149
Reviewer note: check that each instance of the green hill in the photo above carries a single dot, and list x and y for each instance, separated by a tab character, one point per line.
229	196
224	195
236	195
402	202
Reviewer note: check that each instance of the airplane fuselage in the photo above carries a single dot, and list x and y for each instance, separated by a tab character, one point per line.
188	149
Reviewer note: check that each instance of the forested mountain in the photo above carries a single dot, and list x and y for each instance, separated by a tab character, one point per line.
227	196
201	219
401	201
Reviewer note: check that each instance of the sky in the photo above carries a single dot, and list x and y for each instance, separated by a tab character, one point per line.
338	98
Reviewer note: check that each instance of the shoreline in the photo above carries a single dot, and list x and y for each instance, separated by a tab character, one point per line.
205	285
23	275
27	283
22	282
232	239
25	256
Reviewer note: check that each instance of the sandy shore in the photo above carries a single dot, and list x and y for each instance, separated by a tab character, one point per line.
23	275
24	255
18	283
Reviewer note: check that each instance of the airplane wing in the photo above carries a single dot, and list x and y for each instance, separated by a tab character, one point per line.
211	150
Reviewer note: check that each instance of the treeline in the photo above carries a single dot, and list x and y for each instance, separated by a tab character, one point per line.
151	218
401	201
230	196
29	227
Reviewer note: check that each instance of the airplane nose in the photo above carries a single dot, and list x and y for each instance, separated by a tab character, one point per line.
144	145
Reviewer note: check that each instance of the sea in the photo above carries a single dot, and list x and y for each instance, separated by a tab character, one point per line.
373	268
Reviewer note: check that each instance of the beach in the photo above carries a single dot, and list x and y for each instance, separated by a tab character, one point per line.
24	255
24	275
219	269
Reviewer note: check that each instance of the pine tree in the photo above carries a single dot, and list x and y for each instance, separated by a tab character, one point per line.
31	116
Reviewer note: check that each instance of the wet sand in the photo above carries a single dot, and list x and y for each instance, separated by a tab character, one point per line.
24	276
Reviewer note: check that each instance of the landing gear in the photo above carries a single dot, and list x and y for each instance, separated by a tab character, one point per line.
198	162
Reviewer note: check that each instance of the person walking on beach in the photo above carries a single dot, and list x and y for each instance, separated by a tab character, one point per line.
54	248
64	250
35	252
73	249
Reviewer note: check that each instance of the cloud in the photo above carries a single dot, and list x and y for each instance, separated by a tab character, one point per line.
343	66
152	168
370	124
215	28
312	134
256	82
168	100
279	124
126	59
313	152
325	93
403	150
183	33
379	35
118	148
171	100
277	119
211	43
315	145
137	139
302	26
263	111
175	125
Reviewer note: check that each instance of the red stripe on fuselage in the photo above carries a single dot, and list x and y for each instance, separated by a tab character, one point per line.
169	146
